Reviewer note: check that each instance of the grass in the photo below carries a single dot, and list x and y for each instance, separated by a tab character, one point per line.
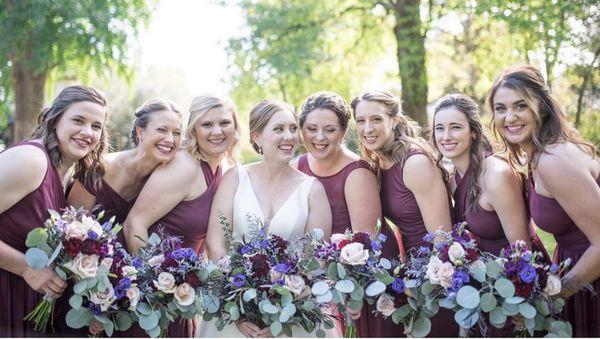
548	240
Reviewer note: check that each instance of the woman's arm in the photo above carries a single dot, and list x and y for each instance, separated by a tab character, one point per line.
167	186
319	212
22	170
504	190
362	199
222	207
424	180
579	195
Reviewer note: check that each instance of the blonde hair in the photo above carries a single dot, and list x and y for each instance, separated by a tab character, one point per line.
260	115
201	105
406	133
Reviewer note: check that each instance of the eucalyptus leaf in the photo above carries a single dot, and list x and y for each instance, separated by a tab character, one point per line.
421	327
488	302
36	237
466	318
325	298
542	307
249	294
505	288
36	258
358	293
317	233
275	328
468	297
375	289
75	301
148	322
385	263
123	321
527	310
497	317
78	318
143	308
510	309
514	300
320	288
80	287
154	332
493	269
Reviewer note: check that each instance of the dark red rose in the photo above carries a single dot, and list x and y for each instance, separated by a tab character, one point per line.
363	238
192	279
91	247
260	264
73	246
278	243
523	290
343	243
472	254
444	253
169	262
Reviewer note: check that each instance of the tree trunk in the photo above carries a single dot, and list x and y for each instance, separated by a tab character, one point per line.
581	91
29	98
411	59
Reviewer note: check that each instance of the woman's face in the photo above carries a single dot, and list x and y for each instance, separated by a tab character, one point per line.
452	133
79	129
322	133
375	128
162	135
513	117
215	131
279	139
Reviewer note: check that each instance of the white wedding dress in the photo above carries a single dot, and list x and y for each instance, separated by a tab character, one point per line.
289	222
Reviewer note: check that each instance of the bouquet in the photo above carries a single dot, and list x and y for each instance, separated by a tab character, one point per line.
169	283
109	296
447	272
77	247
527	287
351	262
265	279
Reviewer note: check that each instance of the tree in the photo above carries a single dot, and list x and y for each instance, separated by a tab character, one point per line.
38	37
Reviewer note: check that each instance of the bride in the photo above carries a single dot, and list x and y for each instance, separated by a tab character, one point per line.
272	190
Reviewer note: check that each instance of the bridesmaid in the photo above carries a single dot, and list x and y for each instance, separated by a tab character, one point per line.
186	185
564	183
70	134
413	190
156	134
351	187
488	192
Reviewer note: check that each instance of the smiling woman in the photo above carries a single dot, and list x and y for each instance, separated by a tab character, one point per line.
70	133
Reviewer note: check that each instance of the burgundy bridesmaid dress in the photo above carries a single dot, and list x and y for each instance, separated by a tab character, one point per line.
582	310
189	220
400	206
17	299
109	201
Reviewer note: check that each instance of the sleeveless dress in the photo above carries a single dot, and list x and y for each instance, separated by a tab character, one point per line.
289	222
400	206
582	309
17	299
109	201
189	220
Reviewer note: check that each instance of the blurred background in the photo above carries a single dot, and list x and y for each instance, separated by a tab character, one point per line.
253	49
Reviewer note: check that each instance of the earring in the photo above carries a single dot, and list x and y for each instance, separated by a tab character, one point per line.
260	151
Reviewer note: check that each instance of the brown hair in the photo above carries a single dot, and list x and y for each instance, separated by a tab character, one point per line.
551	124
199	106
406	133
144	113
262	113
326	100
90	169
480	144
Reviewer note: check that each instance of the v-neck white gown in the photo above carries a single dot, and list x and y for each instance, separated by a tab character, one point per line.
288	222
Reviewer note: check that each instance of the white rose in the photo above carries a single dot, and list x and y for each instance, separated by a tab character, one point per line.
274	275
185	294
336	238
445	274
354	254
456	253
156	260
133	293
433	270
165	283
130	272
76	230
385	305
103	298
553	285
106	263
84	266
92	225
294	283
224	264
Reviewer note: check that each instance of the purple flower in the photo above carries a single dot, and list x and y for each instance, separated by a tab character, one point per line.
398	285
122	287
245	249
92	235
423	250
510	267
106	226
462	276
103	248
527	274
265	244
283	267
238	280
554	268
429	237
95	309
527	255
456	284
137	262
376	245
382	237
262	233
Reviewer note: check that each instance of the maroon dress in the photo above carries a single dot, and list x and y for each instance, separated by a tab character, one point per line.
189	220
400	206
109	201
581	310
17	299
335	185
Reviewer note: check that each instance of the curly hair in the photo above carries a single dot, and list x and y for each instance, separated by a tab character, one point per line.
330	101
144	113
480	144
551	123
90	169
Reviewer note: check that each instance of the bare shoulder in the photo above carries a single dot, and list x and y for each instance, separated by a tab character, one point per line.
498	172
419	164
317	190
181	168
26	161
231	176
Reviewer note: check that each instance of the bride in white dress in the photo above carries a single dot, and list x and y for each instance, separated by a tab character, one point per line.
272	190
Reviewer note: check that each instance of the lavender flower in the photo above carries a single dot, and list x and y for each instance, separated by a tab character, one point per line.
95	309
382	237
239	280
376	245
527	255
398	285
283	267
137	262
92	235
423	250
527	274
554	268
245	249
429	237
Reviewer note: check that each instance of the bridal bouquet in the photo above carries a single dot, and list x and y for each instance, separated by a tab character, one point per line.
169	284
393	301
109	296
448	272
351	262
77	247
266	281
525	286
